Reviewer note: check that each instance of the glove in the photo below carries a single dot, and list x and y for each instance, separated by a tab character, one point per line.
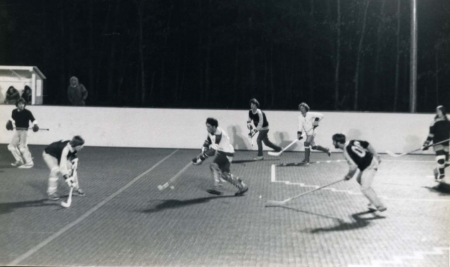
315	124
252	133
347	178
197	161
426	145
299	135
70	181
249	126
9	126
35	128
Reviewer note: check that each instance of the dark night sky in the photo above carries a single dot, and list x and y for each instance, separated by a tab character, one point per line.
221	53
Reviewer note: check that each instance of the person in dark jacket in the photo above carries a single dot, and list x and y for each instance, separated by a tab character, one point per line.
76	92
27	94
12	95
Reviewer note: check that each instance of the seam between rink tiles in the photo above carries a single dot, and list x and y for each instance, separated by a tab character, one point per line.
85	215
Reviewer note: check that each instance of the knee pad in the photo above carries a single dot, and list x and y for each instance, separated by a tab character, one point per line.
440	159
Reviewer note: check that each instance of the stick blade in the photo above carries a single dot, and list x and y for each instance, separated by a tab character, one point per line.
392	154
162	187
274	203
275	154
65	204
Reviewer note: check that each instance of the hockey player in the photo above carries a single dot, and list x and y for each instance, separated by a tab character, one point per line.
21	117
362	157
439	131
307	123
218	144
258	119
61	159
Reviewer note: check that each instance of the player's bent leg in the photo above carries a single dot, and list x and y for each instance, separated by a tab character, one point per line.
260	146
28	161
53	184
322	149
16	154
366	180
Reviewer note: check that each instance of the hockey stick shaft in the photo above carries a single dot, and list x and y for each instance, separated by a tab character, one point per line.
40	129
415	150
284	149
274	202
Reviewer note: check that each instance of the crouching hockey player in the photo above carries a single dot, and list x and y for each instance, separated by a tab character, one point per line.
439	131
61	159
218	144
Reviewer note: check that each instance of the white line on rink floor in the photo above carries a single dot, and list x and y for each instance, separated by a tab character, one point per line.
398	260
273	179
84	216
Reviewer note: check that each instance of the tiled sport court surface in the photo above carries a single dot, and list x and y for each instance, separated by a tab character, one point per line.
125	221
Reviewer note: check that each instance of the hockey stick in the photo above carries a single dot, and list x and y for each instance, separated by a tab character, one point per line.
69	200
173	179
276	154
274	203
392	154
40	129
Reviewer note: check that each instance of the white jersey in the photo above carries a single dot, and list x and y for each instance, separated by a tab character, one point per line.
305	124
221	138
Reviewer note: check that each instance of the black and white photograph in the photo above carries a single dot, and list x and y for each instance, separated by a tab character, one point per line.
225	133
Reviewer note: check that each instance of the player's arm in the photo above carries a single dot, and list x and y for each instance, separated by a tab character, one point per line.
372	150
430	136
300	127
353	168
34	122
261	120
317	118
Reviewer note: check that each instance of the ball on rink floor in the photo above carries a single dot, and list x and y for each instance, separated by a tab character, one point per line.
260	196
160	187
172	187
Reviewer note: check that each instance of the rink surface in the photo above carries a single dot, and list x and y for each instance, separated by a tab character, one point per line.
124	220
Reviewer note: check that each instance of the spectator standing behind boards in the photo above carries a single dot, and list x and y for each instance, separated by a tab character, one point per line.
27	94
12	95
76	92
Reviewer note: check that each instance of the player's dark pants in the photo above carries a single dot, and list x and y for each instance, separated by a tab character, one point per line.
262	137
220	166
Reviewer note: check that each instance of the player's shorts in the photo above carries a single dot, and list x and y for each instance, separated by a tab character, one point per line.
441	147
223	160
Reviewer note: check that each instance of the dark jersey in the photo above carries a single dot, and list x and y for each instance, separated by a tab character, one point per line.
440	130
357	154
22	118
255	118
55	149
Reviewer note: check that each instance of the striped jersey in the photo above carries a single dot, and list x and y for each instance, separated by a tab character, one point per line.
259	119
221	138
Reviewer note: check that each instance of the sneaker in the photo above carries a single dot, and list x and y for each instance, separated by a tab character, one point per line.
79	192
17	163
53	197
242	190
381	208
304	161
440	178
372	207
259	158
214	191
27	165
